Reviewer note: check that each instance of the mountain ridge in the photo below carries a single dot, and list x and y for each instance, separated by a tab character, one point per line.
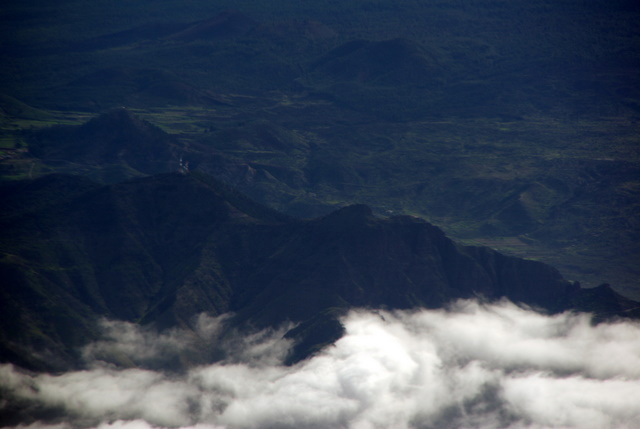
162	249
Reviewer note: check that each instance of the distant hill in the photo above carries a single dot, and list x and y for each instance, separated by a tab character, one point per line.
115	137
388	62
141	87
160	250
226	24
10	107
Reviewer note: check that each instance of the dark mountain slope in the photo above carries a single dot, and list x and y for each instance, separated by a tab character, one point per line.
387	62
118	251
115	137
137	34
21	197
393	79
10	107
353	258
226	24
163	249
136	86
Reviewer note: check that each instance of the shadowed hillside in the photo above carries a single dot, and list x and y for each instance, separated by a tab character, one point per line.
226	24
114	138
389	62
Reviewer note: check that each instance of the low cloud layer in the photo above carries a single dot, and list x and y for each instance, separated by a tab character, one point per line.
470	366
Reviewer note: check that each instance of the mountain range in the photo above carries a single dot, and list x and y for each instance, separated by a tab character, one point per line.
504	125
161	250
377	213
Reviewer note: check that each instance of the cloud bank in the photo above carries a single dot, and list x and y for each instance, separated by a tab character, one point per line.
469	366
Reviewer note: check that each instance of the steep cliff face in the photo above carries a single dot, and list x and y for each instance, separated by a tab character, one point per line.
163	249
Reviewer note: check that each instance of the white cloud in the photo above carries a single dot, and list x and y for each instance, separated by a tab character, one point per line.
468	366
574	401
127	344
141	424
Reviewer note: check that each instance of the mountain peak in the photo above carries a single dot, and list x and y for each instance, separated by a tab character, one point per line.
118	135
114	137
119	117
